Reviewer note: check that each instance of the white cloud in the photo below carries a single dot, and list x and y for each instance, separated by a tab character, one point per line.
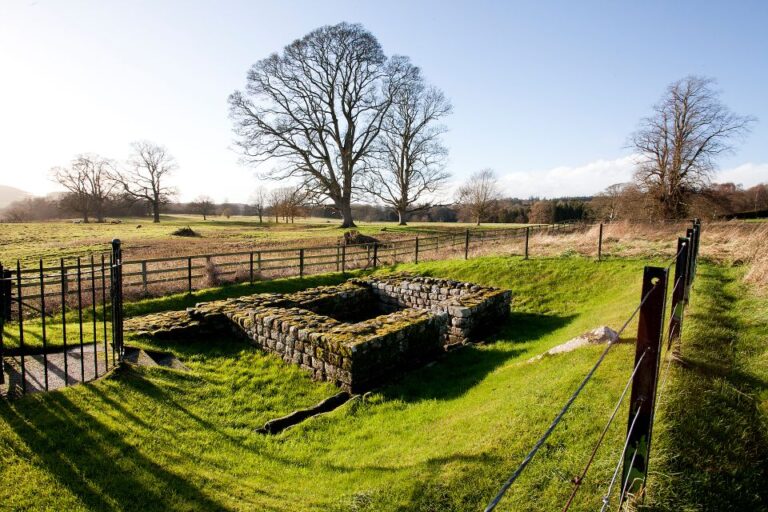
594	177
581	180
747	174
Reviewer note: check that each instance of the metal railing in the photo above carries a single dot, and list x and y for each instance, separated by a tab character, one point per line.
47	346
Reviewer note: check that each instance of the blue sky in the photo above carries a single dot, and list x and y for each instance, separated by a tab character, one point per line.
545	93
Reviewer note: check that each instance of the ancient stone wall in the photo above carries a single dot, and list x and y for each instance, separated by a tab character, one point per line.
471	309
358	334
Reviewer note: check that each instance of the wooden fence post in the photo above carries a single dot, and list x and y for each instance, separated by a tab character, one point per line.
301	262
189	274
416	251
144	276
466	244
250	267
375	253
678	289
338	255
343	258
650	329
600	244
527	236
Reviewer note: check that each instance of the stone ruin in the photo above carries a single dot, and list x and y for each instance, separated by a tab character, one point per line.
358	334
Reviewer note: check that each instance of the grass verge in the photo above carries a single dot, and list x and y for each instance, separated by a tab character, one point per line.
712	448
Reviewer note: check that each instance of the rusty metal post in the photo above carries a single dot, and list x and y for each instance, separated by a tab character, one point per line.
375	254
678	289
301	262
695	243
689	234
416	251
650	329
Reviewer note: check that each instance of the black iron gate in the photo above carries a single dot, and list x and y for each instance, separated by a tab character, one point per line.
60	324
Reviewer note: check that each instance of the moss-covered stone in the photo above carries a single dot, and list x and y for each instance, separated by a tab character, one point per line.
358	334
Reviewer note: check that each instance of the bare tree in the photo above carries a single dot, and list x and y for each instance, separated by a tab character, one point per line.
289	202
259	201
145	178
607	204
680	142
410	155
204	206
316	109
478	195
89	182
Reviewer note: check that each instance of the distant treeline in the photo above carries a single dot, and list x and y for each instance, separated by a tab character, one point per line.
618	202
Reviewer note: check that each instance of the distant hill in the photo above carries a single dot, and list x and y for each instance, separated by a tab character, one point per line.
11	194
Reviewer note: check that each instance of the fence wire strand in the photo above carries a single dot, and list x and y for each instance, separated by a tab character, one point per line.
579	479
607	497
494	503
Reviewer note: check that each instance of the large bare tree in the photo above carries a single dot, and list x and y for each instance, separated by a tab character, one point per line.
146	175
479	194
316	109
89	182
409	167
680	142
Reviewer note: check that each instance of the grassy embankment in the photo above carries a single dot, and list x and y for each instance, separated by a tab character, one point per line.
443	438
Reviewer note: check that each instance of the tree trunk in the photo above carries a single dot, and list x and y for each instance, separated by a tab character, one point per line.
155	212
401	218
346	216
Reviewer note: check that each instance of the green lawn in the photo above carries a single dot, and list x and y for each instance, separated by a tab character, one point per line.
443	438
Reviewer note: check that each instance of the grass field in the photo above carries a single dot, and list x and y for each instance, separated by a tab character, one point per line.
52	240
443	438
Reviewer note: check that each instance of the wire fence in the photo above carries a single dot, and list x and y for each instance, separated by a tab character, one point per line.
631	469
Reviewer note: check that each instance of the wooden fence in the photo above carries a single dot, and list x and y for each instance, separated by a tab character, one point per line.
161	276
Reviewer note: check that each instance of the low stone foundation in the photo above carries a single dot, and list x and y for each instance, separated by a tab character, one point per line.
358	334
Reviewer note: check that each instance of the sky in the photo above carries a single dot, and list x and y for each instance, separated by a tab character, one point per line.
544	93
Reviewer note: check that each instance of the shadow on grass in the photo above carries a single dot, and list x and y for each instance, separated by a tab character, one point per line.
459	371
97	463
715	432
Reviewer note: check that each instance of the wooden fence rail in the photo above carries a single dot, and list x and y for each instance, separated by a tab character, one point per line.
160	276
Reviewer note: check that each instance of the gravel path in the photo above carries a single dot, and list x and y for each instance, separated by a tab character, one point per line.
91	365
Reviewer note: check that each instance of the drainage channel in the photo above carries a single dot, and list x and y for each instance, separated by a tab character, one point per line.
329	404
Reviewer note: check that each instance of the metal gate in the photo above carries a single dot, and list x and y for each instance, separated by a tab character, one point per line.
60	324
